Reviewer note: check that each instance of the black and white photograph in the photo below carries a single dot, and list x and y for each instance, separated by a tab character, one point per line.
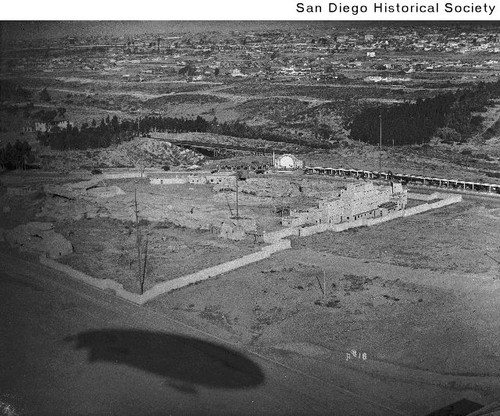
252	217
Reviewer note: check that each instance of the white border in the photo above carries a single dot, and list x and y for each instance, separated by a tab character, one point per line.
238	10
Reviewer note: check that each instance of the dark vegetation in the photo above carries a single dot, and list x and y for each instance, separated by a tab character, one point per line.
93	136
492	131
200	99
17	156
44	95
47	116
450	116
113	131
10	91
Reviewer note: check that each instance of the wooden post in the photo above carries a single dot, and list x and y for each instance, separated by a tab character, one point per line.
237	205
324	284
138	242
380	144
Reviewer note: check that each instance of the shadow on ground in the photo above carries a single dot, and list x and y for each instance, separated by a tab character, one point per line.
179	358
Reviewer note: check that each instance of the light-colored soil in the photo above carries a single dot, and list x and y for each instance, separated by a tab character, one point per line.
417	295
426	332
418	319
456	238
141	151
106	249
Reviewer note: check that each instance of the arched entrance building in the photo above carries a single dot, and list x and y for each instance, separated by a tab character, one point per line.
288	161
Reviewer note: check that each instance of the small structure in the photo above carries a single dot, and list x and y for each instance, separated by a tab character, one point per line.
168	180
224	181
44	126
105	191
197	179
232	231
288	161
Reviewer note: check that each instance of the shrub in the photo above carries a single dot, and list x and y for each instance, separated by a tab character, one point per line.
449	135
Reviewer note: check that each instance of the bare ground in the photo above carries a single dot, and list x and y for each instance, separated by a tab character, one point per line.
106	249
417	295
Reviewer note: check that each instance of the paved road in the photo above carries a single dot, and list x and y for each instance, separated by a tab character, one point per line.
69	349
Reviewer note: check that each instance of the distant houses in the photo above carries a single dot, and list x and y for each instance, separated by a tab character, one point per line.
47	126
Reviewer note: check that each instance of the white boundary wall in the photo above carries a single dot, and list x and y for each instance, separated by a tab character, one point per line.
275	236
167	181
278	244
121	175
170	285
424	197
103	284
368	222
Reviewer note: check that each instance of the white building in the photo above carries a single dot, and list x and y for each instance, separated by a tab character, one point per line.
287	161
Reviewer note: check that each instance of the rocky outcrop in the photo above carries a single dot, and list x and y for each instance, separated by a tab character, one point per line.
39	237
105	191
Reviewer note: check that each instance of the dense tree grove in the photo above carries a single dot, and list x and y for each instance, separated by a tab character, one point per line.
48	115
235	128
102	135
44	95
414	123
114	131
13	92
16	156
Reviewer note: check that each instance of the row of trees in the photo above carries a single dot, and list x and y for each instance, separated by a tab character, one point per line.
414	123
93	136
16	156
234	128
48	116
113	131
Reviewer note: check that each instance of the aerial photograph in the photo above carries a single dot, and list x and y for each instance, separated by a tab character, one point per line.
249	218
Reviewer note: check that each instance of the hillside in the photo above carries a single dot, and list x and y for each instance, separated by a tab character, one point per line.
140	151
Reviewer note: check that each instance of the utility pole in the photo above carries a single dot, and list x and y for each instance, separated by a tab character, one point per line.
237	205
380	145
138	243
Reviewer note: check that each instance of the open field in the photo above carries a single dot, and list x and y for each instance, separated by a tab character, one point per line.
371	290
106	249
445	240
371	307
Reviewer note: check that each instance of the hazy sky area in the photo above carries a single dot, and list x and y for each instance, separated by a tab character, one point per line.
46	29
17	30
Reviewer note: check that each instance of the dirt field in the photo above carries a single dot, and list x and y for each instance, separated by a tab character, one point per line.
379	309
414	300
447	240
106	249
431	321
